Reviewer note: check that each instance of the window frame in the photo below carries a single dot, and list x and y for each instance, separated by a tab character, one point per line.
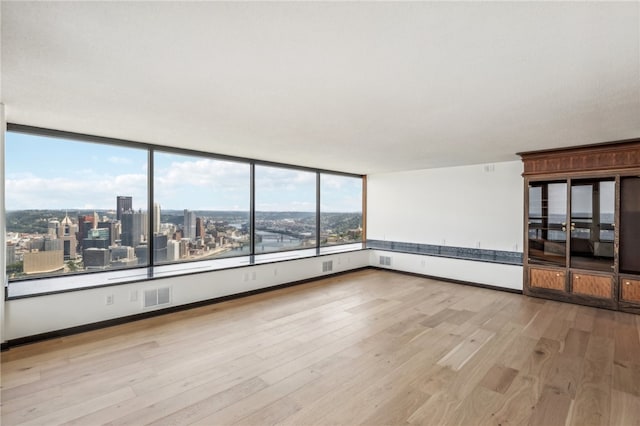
253	257
315	213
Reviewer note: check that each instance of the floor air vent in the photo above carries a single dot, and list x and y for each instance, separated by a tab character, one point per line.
157	296
327	266
385	260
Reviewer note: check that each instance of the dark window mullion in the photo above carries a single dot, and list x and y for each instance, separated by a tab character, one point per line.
318	212
150	209
252	212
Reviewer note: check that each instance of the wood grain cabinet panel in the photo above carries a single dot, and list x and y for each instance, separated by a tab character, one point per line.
547	278
630	290
592	285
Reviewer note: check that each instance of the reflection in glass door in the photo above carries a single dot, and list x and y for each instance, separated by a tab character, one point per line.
630	225
547	223
592	224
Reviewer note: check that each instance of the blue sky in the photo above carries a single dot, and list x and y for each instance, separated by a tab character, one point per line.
43	172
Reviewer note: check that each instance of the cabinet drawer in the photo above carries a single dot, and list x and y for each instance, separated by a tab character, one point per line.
630	290
592	285
547	278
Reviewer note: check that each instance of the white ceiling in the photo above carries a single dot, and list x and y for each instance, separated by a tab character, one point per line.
355	87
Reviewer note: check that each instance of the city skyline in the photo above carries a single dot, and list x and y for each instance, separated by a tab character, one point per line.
102	172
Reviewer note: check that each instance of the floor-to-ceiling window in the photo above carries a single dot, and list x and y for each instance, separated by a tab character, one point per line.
340	209
81	204
201	207
285	209
74	206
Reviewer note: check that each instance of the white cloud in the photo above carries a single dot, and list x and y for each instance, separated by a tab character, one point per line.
61	193
119	160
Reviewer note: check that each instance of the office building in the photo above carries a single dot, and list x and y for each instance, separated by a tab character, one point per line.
10	253
189	227
200	234
110	228
122	253
123	204
97	238
160	247
173	250
156	218
40	262
134	228
96	258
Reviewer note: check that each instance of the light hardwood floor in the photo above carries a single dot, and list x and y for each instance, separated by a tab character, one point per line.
370	347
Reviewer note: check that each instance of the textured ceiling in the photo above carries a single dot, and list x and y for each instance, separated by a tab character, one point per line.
355	87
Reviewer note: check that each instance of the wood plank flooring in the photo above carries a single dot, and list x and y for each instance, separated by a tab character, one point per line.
370	347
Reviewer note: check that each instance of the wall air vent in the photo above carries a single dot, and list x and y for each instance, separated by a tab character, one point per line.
385	260
327	266
157	297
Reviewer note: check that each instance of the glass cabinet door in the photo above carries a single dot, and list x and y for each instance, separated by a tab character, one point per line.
592	224
547	223
630	225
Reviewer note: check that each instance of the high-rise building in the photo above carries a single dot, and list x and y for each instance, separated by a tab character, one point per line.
110	227
123	203
52	244
134	228
85	223
10	253
37	262
67	234
159	248
116	227
53	228
156	218
122	253
184	248
97	238
95	258
142	253
200	228
173	250
189	229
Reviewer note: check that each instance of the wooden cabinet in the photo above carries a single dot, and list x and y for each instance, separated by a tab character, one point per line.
552	279
630	290
582	224
592	285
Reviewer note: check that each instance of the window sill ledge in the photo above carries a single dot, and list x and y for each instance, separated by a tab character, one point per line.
45	286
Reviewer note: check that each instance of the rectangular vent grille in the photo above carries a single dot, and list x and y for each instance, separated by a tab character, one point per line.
327	266
385	260
157	296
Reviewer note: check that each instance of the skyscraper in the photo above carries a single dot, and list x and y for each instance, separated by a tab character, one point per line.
96	258
123	203
110	226
10	253
160	248
189	230
67	233
85	224
134	228
97	238
200	228
156	218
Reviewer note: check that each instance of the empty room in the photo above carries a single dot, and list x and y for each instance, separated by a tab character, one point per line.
320	213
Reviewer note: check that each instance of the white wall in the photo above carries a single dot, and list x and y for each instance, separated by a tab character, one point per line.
32	316
479	206
493	274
